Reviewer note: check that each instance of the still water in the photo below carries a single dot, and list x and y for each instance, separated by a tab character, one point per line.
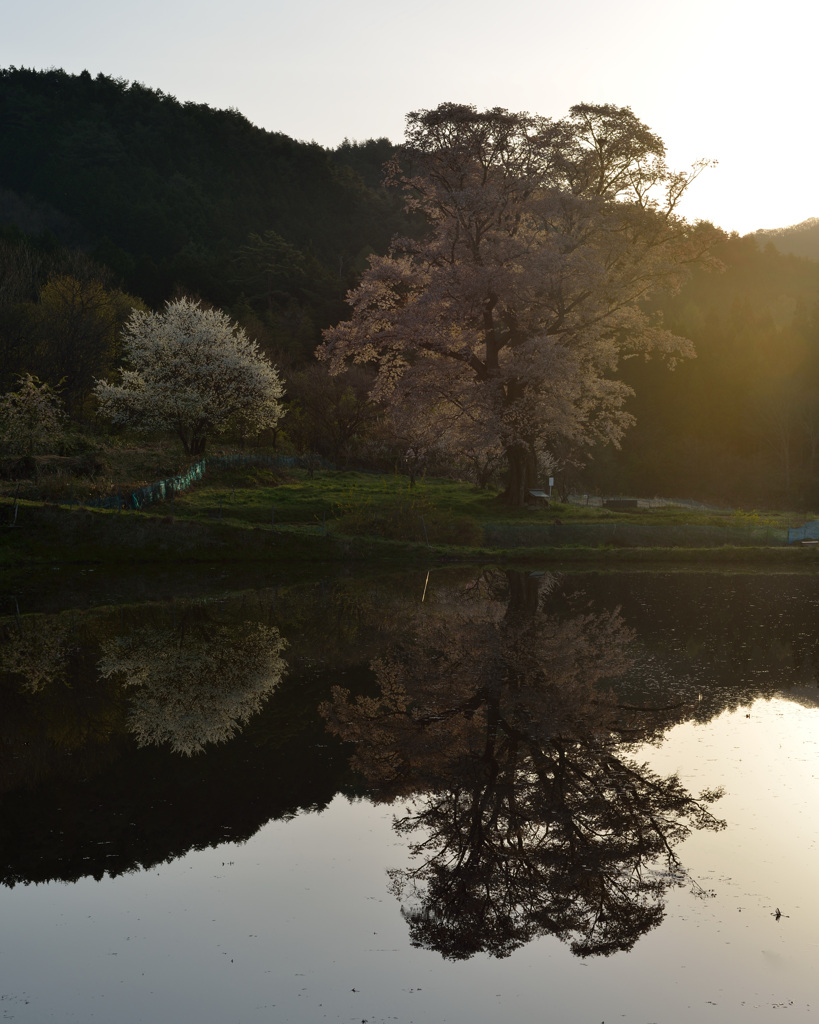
472	796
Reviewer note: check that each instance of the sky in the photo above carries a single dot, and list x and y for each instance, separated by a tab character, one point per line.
724	80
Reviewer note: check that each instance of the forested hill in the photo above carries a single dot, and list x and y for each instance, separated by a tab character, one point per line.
175	196
798	240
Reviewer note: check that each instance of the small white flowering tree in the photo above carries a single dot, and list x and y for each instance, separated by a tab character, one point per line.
193	371
30	417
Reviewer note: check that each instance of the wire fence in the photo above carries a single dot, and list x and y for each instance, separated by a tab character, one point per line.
631	535
163	490
596	501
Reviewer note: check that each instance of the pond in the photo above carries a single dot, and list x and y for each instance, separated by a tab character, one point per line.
465	796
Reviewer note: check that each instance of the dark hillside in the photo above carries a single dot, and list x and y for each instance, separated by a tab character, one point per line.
171	195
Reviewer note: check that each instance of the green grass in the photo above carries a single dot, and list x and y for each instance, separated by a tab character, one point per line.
356	515
252	495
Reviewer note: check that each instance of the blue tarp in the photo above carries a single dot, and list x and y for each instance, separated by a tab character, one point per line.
810	531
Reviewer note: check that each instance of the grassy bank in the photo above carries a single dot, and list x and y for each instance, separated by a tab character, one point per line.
271	516
51	533
357	500
59	534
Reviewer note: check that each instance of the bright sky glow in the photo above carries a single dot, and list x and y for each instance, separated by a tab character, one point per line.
730	80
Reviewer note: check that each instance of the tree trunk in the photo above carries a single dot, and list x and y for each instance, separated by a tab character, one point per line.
524	595
522	475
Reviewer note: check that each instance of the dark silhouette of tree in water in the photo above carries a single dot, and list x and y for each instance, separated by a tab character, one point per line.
492	725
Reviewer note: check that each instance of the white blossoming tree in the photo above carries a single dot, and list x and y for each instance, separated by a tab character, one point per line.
193	371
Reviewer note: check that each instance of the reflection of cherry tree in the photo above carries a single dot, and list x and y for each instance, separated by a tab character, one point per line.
40	652
493	728
193	686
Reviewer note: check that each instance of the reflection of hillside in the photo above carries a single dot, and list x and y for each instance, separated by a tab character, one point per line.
805	696
526	814
82	798
710	642
150	806
56	715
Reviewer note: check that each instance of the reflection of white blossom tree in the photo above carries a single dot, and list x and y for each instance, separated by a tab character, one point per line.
194	687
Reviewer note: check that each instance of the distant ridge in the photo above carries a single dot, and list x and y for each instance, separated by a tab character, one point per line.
798	239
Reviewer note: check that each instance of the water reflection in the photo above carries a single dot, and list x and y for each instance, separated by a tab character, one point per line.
96	708
184	679
512	669
41	656
526	813
195	684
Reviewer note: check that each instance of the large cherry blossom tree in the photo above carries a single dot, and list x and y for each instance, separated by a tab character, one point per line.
544	241
193	371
